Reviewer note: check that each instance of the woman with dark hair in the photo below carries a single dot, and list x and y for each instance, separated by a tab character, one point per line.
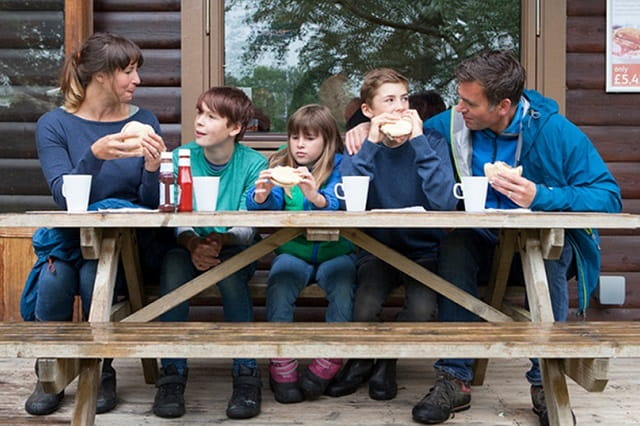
84	137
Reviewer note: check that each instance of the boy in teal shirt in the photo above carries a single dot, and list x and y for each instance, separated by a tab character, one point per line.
223	114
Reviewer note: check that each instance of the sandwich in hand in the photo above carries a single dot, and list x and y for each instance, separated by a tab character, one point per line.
140	130
285	177
491	170
397	128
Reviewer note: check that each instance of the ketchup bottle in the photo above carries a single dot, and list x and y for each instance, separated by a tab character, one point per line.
167	183
185	181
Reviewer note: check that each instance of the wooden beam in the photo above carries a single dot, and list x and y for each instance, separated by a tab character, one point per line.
78	24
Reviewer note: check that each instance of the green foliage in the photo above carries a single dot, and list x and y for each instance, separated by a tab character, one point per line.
424	40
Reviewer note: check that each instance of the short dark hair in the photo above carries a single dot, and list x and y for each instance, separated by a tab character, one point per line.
229	103
427	103
499	72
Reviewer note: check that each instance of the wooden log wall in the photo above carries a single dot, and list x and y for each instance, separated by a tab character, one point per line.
612	121
153	24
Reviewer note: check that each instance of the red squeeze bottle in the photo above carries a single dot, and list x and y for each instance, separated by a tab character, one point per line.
185	181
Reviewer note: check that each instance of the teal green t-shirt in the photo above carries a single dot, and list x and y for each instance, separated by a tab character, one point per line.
236	178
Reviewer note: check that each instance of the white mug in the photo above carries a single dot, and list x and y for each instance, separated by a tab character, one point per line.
474	192
76	189
354	192
205	190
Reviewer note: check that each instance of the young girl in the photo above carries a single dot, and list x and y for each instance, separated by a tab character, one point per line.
313	150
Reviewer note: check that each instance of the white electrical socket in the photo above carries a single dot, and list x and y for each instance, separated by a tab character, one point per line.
611	290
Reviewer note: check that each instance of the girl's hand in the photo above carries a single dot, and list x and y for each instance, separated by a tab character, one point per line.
152	147
115	146
309	188
263	187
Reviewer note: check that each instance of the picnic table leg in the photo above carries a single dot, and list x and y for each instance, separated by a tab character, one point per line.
85	409
553	379
135	285
497	288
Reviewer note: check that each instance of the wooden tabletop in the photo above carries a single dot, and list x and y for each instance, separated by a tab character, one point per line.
325	219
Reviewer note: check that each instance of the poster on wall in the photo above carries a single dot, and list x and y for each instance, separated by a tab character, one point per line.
623	46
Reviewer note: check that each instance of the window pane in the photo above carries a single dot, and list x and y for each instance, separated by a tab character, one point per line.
290	53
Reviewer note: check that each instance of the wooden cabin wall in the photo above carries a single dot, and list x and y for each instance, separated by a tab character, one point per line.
612	121
30	62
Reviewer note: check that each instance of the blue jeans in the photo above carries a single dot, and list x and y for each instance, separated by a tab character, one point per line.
376	280
465	258
290	274
178	269
60	282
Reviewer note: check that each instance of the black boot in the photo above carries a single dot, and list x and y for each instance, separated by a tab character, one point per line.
41	403
382	384
169	399
349	379
247	394
107	398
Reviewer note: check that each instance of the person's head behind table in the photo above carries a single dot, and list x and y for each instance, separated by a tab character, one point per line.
229	103
499	73
375	79
105	53
315	127
427	103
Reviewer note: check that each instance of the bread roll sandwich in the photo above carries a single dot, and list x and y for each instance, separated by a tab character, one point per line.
397	128
491	170
285	177
140	130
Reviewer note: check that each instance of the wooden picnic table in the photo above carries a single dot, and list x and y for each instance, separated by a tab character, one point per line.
109	236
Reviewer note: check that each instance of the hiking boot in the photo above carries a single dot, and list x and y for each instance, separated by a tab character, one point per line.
316	377
107	397
283	380
247	394
169	399
449	395
41	403
348	380
382	384
540	406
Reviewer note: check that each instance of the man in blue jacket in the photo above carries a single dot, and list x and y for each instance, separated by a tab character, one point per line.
497	120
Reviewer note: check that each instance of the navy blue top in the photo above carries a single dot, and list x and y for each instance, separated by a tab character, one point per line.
64	147
416	173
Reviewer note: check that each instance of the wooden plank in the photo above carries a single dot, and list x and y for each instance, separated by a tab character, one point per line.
552	242
424	276
90	240
317	339
497	287
138	5
314	234
78	19
585	34
16	260
56	374
133	274
591	374
84	412
209	278
590	107
553	380
161	30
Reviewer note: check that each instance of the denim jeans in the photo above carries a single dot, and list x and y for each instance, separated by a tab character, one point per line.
60	282
290	274
376	280
465	258
177	269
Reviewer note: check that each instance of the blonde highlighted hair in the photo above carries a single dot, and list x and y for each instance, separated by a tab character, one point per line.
101	52
312	119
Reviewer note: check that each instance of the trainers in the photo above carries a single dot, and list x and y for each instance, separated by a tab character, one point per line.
169	399
107	397
283	380
540	405
449	395
247	394
317	376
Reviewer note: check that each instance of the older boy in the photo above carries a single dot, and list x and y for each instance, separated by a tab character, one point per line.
412	169
223	114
